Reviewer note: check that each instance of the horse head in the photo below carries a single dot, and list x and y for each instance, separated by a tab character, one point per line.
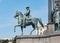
18	13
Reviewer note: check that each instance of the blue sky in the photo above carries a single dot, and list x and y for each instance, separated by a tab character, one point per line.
8	8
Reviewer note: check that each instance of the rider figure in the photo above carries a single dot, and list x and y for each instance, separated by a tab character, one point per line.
27	14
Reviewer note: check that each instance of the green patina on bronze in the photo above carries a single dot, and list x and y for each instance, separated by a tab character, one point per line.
26	20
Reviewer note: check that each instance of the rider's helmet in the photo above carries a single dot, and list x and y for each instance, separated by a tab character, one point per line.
27	7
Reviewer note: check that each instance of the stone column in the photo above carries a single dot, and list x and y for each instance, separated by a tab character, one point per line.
49	10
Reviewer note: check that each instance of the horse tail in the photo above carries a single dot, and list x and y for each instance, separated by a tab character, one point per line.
40	21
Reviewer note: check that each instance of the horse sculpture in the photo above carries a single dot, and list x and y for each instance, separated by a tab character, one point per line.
23	21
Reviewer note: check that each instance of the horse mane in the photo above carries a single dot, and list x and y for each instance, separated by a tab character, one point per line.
20	13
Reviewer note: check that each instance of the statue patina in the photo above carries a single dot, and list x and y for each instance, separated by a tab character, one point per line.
26	20
27	14
56	19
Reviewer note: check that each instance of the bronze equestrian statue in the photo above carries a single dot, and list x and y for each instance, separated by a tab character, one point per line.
26	20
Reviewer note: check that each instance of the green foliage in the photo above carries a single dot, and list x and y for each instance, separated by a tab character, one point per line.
14	41
5	41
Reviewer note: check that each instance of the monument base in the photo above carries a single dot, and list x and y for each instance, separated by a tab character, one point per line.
51	38
51	27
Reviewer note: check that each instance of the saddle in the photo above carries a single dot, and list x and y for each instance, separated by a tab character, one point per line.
27	20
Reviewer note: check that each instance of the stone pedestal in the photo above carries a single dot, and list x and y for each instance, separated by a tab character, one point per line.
51	38
50	27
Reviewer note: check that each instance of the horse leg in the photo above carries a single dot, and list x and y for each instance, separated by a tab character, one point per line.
33	28
15	28
37	31
22	30
41	23
32	31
